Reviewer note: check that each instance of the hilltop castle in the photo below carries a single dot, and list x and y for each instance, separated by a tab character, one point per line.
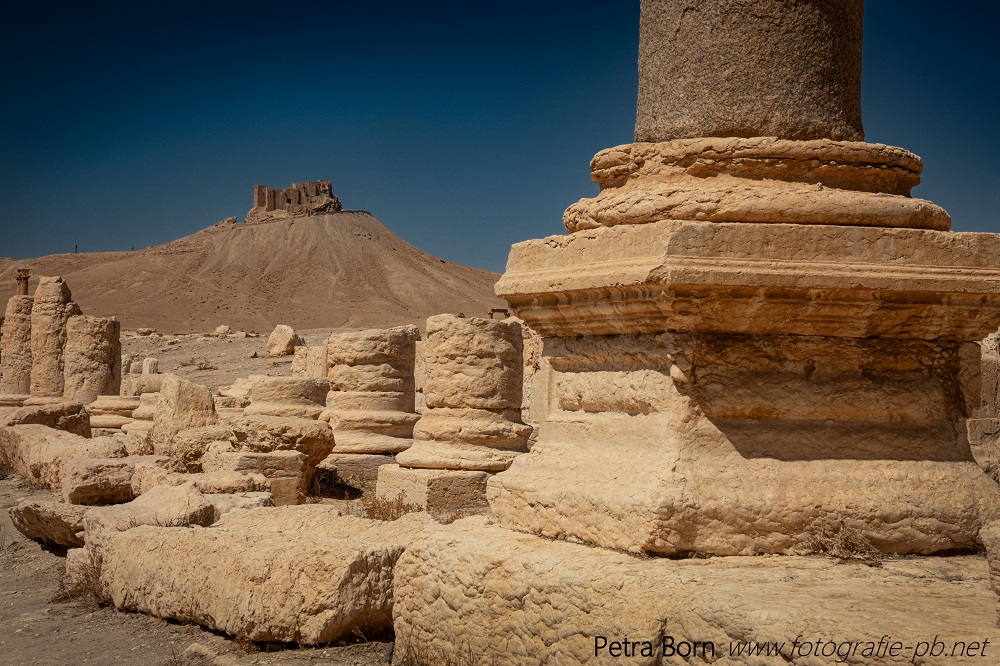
294	201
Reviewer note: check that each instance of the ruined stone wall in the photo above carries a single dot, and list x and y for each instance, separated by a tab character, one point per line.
297	199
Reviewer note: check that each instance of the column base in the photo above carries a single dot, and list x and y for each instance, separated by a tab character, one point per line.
445	494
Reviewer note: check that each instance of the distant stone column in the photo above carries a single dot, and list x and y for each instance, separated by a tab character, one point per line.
92	358
15	355
23	274
789	69
472	426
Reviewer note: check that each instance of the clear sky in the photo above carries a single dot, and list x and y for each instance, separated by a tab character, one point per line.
463	126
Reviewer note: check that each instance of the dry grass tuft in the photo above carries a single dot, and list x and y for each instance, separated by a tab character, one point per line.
846	544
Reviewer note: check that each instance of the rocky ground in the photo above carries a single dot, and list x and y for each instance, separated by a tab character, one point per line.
38	626
213	360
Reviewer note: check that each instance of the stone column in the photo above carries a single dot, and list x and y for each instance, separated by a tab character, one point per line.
92	358
52	309
370	405
472	426
15	355
23	274
752	306
750	68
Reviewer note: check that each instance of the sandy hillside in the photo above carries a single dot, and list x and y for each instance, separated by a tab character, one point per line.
341	269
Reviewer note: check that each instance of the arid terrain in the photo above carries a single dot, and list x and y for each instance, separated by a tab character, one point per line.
38	625
341	269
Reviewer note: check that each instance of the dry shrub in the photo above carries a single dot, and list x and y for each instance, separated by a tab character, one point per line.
844	543
377	508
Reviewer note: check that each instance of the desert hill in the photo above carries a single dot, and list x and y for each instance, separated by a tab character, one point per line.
337	269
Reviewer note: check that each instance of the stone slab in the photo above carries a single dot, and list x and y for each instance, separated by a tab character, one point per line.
518	600
757	279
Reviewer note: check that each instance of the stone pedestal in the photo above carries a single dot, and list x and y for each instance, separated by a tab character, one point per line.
371	401
446	494
727	372
753	335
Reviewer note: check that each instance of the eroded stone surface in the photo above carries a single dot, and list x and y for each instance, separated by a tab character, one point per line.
50	522
302	397
92	358
52	308
473	391
15	346
283	341
455	588
750	69
35	452
67	416
181	405
371	401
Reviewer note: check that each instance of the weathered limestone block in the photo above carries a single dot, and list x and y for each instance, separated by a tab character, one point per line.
751	428
35	452
780	48
238	389
267	587
730	180
163	506
92	358
223	503
302	573
148	476
446	494
115	404
181	405
143	415
96	481
287	471
106	480
324	520
355	470
258	433
287	396
150	366
371	401
459	589
52	308
310	362
137	384
50	522
67	416
15	346
472	387
283	341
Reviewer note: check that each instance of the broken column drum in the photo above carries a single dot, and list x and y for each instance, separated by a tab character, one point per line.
752	306
473	390
52	308
92	360
15	355
370	405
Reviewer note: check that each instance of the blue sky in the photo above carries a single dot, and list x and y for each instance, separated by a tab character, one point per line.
464	127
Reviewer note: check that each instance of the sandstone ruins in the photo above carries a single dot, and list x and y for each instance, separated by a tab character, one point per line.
752	341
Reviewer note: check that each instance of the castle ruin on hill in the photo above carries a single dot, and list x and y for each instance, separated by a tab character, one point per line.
296	200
